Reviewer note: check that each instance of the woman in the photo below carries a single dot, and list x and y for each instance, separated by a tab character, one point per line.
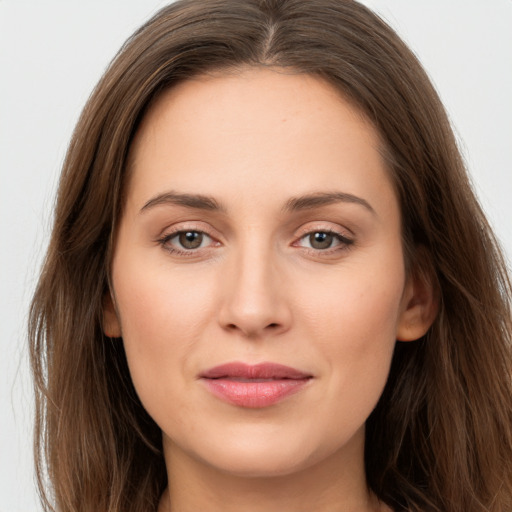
269	284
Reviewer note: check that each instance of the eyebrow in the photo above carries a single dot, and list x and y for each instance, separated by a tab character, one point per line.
319	199
294	204
196	201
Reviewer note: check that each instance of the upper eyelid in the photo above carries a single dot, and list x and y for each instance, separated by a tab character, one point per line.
328	231
172	234
298	233
324	226
180	227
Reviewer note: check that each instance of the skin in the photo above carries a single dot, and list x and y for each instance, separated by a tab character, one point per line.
260	288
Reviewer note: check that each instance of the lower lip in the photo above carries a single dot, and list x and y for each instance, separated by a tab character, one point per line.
254	394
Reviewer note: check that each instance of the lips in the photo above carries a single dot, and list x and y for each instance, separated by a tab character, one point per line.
254	386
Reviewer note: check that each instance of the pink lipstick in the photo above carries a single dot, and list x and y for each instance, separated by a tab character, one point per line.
254	386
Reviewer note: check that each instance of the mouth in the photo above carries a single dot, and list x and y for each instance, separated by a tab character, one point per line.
254	386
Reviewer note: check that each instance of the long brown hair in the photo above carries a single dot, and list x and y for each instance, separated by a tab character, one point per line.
440	438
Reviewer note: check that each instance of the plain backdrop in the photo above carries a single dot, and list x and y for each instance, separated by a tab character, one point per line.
53	52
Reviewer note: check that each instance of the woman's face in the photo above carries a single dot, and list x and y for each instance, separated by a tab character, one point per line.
258	274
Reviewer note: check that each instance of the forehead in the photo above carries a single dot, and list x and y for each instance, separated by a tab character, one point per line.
286	129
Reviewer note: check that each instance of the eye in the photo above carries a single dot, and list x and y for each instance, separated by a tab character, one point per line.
185	241
323	240
190	239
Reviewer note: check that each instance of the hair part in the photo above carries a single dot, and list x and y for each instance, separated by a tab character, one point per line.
440	438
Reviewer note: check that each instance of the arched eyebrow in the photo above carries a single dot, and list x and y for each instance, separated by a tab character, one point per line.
196	201
319	199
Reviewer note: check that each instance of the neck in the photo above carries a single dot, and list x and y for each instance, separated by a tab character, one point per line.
323	487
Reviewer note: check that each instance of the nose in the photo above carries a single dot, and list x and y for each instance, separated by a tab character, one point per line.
255	301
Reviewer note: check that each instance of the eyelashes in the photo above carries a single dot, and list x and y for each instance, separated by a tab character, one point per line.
323	240
187	242
192	242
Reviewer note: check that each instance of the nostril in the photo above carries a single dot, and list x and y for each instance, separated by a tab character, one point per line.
270	327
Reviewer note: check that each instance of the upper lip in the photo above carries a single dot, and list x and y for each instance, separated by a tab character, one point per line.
254	371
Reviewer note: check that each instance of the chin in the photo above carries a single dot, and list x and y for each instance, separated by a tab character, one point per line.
267	456
260	464
258	445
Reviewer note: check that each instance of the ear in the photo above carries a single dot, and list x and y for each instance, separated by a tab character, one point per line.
420	303
111	324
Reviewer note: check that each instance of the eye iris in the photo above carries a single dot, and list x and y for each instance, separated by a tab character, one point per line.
190	239
320	240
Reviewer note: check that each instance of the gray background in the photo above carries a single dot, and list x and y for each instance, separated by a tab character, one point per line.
52	54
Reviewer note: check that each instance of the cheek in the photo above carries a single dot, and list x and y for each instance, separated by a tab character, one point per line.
359	305
354	321
162	319
154	299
